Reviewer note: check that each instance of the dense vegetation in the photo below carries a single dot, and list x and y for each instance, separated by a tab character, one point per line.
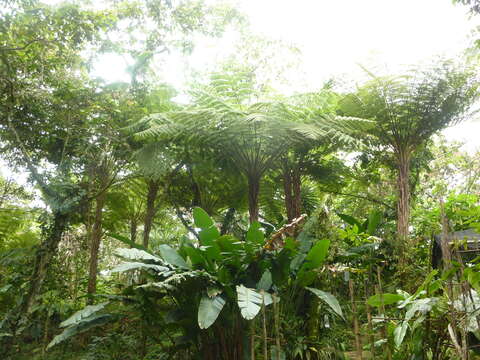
239	222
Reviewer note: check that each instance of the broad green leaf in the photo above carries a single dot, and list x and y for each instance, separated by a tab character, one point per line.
428	280
172	257
290	244
211	251
195	255
126	266
306	277
209	310
208	235
224	275
374	219
399	333
329	299
83	314
385	299
317	254
350	220
254	234
421	305
297	262
265	282
201	218
249	302
228	243
87	324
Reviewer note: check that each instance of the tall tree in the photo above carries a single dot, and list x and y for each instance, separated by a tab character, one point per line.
407	111
44	100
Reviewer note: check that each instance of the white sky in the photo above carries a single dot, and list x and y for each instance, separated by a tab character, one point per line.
335	36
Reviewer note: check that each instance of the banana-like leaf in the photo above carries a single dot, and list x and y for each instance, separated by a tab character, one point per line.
249	302
329	299
350	220
201	218
399	333
86	324
136	254
384	299
126	266
254	234
374	219
172	257
265	283
317	254
209	310
85	313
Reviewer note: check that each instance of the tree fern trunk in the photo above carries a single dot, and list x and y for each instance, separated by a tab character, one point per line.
403	201
292	189
153	188
95	246
297	196
253	192
133	230
287	190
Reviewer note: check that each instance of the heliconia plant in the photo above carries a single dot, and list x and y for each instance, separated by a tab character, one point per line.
221	282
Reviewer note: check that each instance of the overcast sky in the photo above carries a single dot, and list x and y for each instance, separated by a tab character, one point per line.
335	36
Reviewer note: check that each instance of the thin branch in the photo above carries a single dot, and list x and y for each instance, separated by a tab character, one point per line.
359	197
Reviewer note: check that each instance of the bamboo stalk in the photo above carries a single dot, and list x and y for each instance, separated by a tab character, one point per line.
358	344
379	291
447	263
252	340
277	327
265	343
369	319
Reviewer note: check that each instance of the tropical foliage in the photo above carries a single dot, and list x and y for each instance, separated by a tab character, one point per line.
227	218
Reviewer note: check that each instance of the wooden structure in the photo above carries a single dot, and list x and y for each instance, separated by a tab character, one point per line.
466	243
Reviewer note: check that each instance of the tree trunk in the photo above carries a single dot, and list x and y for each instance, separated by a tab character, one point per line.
133	230
253	192
153	187
43	258
94	247
227	221
297	196
287	189
403	201
292	189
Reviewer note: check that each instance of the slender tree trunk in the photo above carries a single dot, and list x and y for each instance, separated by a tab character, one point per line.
403	201
356	329
94	247
133	230
287	189
227	221
291	187
297	196
253	192
153	188
43	258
